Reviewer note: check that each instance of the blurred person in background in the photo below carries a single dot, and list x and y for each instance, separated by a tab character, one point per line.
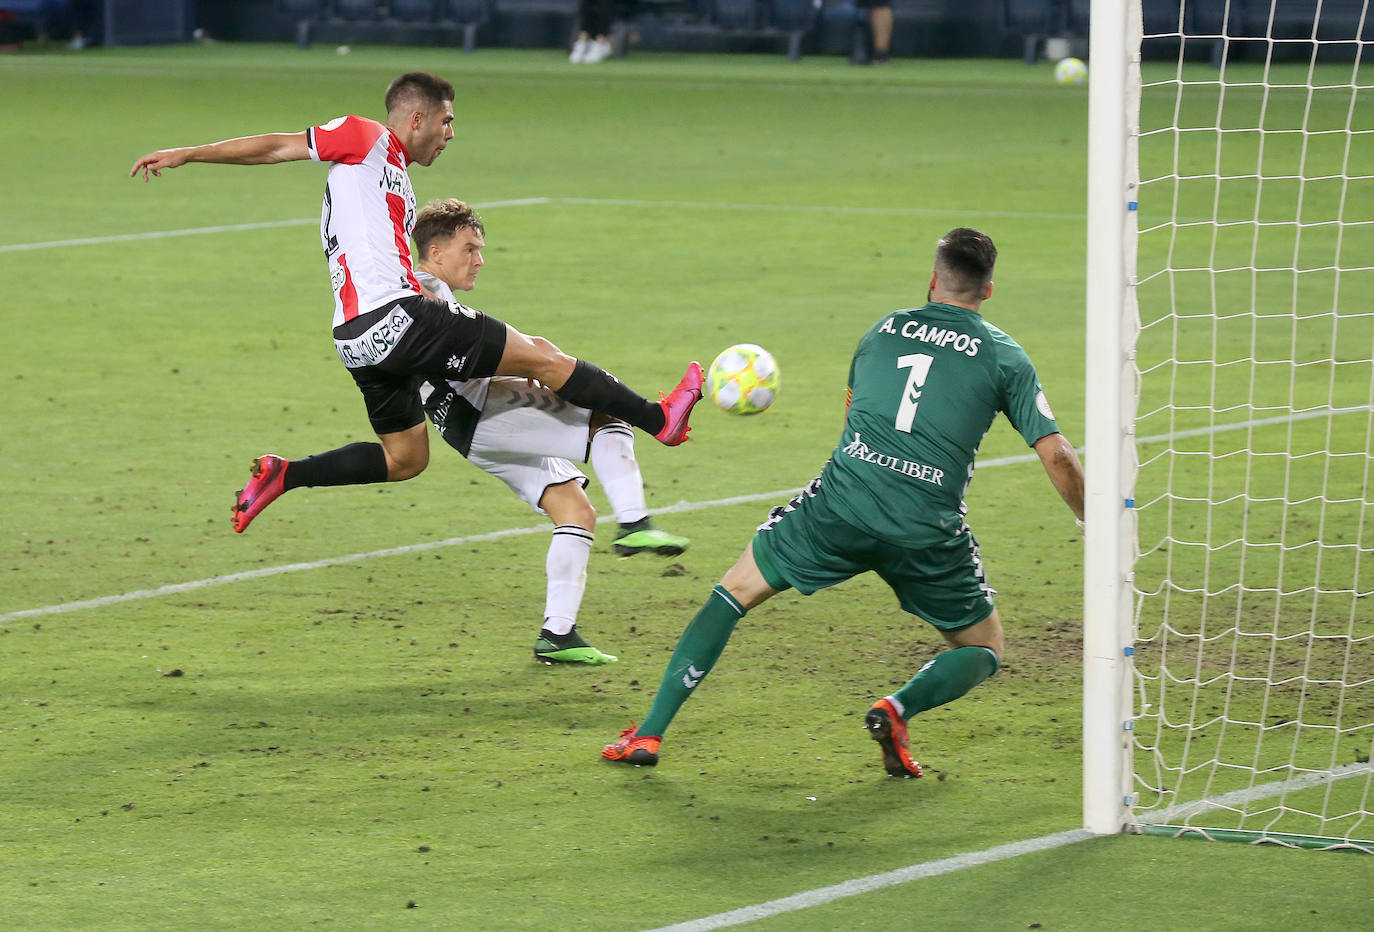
880	27
593	43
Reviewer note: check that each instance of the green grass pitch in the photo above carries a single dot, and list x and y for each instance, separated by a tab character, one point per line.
367	744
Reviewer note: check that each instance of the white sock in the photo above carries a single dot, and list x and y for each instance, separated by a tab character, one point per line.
613	460
566	566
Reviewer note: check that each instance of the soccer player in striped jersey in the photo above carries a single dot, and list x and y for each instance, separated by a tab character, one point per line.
925	385
388	333
525	435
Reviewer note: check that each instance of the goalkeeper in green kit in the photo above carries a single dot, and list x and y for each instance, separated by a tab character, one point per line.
924	387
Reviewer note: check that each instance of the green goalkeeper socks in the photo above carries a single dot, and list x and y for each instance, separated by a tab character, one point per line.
946	678
696	653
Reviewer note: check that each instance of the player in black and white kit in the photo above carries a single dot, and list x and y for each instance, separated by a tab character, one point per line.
525	435
387	332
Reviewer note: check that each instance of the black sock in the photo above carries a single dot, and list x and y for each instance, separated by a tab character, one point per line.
564	641
595	389
355	464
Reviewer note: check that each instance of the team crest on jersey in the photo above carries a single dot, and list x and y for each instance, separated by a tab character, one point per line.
1042	404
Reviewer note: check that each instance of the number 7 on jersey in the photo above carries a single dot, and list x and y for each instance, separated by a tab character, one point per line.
919	364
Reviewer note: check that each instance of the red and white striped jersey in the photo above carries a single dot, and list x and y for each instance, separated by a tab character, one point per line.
368	214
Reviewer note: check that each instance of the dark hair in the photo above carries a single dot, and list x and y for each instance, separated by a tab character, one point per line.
964	259
421	88
439	220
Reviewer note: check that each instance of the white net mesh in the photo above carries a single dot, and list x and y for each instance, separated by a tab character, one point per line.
1254	579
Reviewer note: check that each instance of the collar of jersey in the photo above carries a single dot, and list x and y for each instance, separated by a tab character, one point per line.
400	146
950	307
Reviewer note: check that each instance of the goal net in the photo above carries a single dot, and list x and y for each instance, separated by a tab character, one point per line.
1247	364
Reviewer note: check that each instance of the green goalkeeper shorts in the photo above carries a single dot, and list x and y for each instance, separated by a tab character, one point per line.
805	545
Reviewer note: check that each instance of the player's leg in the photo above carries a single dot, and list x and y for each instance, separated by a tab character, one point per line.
591	387
702	642
946	587
574	519
520	423
697	651
802	545
612	455
398	455
390	390
974	654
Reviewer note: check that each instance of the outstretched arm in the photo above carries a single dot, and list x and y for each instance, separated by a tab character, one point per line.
264	149
1061	465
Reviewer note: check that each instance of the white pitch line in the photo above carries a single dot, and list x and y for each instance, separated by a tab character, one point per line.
570	201
680	507
823	895
156	234
224	228
819	208
62	608
264	572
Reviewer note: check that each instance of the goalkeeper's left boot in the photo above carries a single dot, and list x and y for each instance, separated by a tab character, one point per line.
567	648
643	537
641	750
262	489
888	728
677	406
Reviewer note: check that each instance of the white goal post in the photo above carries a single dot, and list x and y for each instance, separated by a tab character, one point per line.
1229	553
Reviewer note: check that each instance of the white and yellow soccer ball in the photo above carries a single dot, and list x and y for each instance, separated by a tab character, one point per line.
1070	71
743	379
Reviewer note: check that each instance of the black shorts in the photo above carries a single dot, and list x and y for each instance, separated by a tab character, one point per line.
415	339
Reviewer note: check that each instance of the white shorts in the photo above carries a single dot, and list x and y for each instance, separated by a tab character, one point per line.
527	437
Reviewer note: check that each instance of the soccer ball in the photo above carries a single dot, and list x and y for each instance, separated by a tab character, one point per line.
1070	71
743	379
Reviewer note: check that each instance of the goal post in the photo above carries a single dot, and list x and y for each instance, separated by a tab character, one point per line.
1106	560
1229	564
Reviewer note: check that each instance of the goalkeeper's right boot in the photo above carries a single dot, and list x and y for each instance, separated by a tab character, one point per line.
567	648
677	406
888	728
269	473
641	750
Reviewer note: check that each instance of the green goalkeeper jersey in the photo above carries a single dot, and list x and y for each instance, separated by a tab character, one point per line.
927	383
